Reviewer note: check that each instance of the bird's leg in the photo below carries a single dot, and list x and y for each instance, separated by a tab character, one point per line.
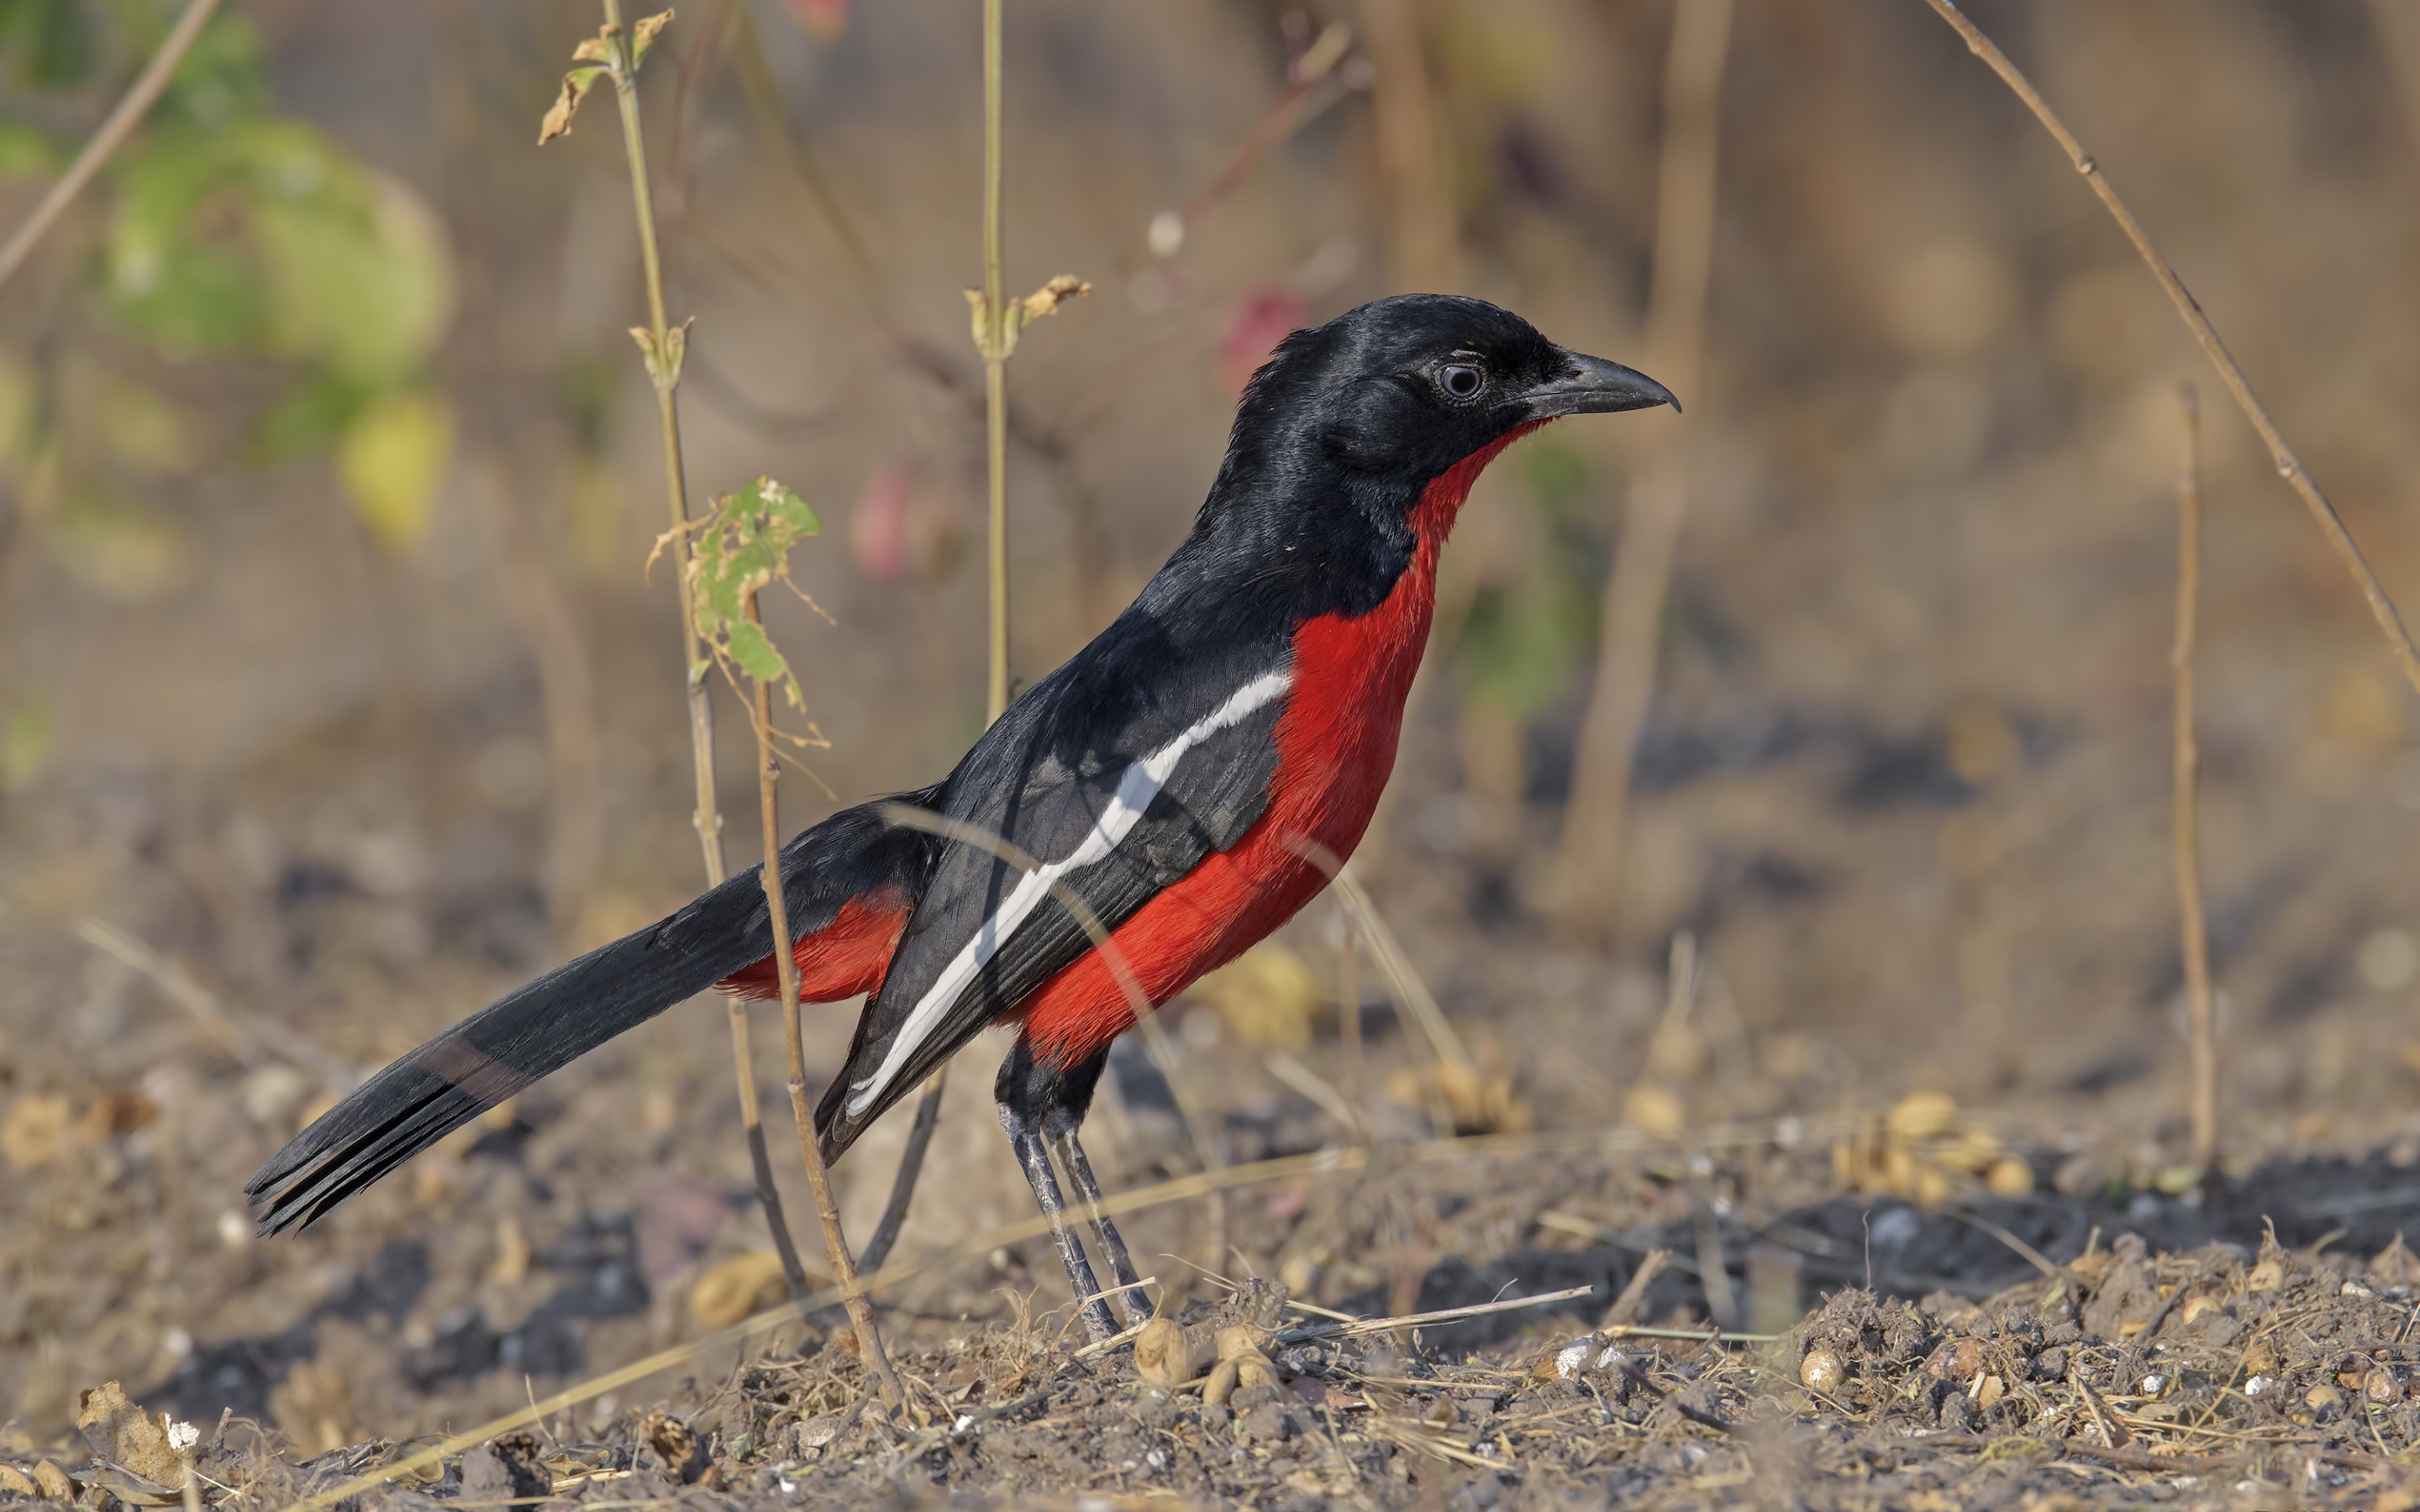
1033	1154
1059	1128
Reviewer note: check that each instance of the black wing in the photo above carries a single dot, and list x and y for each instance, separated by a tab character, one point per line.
1119	773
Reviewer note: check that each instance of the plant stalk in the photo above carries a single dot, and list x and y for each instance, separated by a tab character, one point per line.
2194	943
993	343
994	361
705	817
786	966
1589	863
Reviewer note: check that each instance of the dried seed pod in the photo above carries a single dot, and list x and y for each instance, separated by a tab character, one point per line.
1221	1383
1254	1370
2009	1178
57	1484
1956	1360
2194	1308
1988	1393
1821	1371
2266	1276
1921	1116
1163	1355
1237	1340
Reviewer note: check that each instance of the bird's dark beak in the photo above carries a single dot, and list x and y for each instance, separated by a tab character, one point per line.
1593	386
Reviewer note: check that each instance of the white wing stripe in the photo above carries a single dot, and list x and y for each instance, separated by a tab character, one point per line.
1137	788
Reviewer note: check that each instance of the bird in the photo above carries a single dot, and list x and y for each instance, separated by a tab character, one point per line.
1141	815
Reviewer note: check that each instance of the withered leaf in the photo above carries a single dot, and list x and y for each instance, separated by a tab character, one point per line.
119	1429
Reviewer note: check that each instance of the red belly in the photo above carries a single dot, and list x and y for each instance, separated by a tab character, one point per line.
1336	747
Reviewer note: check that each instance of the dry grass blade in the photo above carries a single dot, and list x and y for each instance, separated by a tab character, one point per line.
224	1028
1627	1306
2290	466
140	97
1410	991
1589	859
1385	1325
2025	1252
2193	935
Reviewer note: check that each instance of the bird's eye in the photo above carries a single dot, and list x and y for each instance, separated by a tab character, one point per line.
1461	381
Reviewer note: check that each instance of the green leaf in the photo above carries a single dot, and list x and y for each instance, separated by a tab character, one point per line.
26	153
49	41
188	293
306	417
393	459
356	266
753	650
219	79
1519	645
743	546
265	236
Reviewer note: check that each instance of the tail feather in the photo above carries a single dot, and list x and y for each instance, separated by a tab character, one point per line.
539	1028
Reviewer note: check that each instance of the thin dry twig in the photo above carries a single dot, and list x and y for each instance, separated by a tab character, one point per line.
2193	935
1446	1315
140	97
1626	1307
1409	990
1423	243
225	1028
785	967
663	344
1589	859
2290	466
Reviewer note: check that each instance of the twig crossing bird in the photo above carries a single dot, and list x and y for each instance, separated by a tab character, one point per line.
1183	777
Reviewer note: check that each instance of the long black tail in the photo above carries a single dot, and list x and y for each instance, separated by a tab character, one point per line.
539	1028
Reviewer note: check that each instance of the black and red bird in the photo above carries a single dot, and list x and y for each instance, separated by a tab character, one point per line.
1189	775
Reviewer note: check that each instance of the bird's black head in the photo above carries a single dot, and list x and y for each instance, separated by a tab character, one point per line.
1402	389
1342	433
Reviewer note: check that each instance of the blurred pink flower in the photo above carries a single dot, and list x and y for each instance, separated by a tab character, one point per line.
826	19
1260	320
878	523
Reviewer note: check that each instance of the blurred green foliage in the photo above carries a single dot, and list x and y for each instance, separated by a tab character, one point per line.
1523	641
229	231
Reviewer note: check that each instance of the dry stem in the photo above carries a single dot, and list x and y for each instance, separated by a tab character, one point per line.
1423	250
785	968
664	372
2194	944
2290	466
1589	860
995	363
140	97
993	343
1348	1005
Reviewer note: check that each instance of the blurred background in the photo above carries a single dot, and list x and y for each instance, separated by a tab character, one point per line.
335	699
